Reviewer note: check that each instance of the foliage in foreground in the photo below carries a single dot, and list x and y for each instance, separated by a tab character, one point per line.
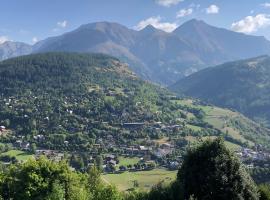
209	171
43	179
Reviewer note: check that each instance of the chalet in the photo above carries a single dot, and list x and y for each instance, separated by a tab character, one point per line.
110	93
165	146
131	150
50	154
110	137
158	124
144	150
97	146
18	143
162	152
174	165
122	168
2	128
91	165
39	137
112	162
109	158
22	145
133	125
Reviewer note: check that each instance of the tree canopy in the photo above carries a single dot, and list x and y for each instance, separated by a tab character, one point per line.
211	171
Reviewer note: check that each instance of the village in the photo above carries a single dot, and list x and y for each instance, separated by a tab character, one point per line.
149	156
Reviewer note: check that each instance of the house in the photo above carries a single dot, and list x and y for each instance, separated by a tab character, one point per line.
39	137
111	93
112	162
165	146
2	128
109	158
97	146
122	168
162	152
173	165
133	125
144	150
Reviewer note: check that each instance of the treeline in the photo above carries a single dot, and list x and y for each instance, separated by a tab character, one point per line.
209	171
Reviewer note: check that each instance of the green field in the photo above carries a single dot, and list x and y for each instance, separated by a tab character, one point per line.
20	155
195	128
219	118
128	160
145	179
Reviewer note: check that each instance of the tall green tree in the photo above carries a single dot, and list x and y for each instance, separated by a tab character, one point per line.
42	179
211	171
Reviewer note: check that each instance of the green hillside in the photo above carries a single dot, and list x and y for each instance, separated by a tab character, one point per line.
242	85
93	102
236	127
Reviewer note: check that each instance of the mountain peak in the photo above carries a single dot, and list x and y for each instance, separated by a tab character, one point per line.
149	29
192	24
195	21
102	26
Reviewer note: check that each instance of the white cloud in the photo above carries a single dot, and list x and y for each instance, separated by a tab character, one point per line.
168	3
266	5
3	39
62	24
184	12
251	23
212	9
156	22
34	40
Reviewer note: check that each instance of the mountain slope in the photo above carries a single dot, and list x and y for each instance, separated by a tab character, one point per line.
217	45
157	55
72	101
12	49
101	37
242	85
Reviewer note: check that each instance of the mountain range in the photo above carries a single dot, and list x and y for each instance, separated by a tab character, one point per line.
154	54
242	85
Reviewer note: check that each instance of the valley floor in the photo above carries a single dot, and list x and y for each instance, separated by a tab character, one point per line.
142	179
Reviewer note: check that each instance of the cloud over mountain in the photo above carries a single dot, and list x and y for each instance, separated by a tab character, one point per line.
184	12
251	24
157	23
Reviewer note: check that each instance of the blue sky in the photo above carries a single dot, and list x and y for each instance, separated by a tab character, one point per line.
33	20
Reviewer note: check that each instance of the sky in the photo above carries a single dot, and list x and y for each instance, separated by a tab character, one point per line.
33	20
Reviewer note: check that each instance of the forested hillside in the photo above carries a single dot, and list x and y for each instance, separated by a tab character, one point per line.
242	85
71	101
